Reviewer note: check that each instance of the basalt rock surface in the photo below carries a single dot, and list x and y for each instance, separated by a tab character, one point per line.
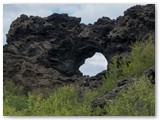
150	73
103	99
43	52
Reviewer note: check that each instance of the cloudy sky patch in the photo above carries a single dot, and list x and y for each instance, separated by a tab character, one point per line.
94	65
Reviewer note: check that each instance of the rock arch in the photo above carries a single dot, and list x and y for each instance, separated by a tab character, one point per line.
43	52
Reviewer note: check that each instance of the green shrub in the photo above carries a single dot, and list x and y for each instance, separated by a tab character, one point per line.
110	79
13	98
12	88
63	102
10	111
137	100
18	102
142	57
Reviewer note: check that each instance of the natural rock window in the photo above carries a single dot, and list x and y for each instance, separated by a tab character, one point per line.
94	65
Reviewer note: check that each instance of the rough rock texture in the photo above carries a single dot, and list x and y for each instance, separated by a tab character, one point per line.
102	100
44	52
124	81
150	73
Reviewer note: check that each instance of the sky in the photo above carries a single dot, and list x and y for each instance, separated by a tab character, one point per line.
94	65
89	13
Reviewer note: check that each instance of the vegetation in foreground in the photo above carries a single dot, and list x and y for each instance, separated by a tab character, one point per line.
138	99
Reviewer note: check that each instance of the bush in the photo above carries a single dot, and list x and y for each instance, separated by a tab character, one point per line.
110	79
12	88
137	100
64	101
10	111
142	57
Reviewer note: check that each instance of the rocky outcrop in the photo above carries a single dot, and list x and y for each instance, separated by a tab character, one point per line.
102	100
44	52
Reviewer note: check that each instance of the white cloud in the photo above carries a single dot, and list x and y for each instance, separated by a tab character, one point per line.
94	65
91	12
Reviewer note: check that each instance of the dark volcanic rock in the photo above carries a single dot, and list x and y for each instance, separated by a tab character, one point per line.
44	52
138	22
102	100
124	81
150	73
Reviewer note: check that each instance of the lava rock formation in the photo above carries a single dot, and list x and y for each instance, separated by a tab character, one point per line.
44	52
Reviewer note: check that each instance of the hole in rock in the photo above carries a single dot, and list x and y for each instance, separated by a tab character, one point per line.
94	65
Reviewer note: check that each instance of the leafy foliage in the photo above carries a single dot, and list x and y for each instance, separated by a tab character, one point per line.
138	100
64	102
110	79
142	57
